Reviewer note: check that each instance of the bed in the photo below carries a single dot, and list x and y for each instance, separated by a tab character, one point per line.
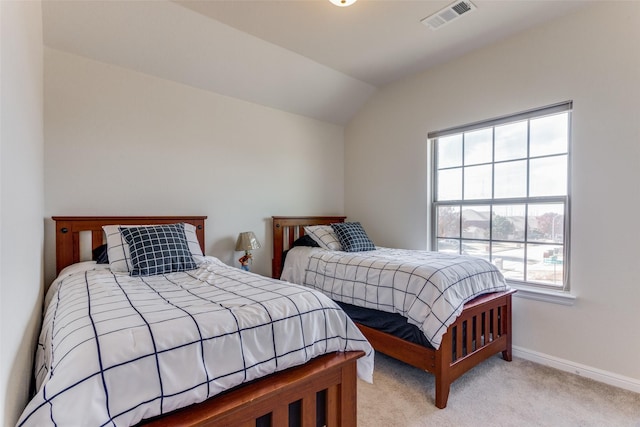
481	330
309	385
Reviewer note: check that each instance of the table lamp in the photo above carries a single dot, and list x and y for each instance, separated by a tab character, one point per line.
246	242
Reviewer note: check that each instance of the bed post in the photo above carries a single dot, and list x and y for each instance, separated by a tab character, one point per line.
442	372
67	251
506	329
349	397
278	249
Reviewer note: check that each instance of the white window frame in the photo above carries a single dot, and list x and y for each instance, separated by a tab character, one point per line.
542	290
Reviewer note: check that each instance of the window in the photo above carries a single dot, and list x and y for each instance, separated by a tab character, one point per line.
500	192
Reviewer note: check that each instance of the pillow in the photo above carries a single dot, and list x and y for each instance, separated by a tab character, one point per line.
100	254
118	248
158	249
352	237
324	236
305	240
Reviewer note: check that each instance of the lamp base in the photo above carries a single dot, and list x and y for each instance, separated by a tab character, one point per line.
244	261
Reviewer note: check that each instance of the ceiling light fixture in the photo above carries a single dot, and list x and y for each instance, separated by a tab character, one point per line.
343	3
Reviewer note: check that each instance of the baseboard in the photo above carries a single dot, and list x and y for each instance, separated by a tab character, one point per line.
600	375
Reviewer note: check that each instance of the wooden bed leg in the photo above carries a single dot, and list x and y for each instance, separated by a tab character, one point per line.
443	364
507	355
506	329
442	392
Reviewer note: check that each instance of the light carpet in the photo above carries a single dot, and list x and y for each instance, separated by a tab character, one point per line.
495	393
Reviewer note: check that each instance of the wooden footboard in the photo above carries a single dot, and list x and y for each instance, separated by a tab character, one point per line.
482	330
329	380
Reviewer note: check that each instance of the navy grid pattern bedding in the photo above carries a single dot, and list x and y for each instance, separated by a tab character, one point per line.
428	288
115	349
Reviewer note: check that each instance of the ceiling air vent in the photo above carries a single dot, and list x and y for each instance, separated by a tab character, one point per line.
448	14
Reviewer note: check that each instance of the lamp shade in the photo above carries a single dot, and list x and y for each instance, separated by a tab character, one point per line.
247	241
343	3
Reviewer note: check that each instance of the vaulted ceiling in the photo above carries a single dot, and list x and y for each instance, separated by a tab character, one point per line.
306	57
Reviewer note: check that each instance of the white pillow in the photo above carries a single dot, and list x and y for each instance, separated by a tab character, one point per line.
118	249
324	236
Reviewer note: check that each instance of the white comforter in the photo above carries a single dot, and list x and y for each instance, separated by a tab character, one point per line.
428	288
116	349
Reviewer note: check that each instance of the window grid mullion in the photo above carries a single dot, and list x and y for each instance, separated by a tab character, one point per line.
525	269
511	201
493	190
462	171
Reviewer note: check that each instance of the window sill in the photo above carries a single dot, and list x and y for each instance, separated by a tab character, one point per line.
546	295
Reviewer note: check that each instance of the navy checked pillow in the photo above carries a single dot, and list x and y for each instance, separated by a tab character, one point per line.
158	249
352	237
118	249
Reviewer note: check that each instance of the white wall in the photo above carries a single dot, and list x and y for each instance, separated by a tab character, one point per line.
120	142
21	201
590	57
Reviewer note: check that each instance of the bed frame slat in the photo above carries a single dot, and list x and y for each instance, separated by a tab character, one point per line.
97	239
309	409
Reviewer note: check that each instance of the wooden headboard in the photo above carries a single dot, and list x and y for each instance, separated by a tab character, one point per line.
286	229
68	230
